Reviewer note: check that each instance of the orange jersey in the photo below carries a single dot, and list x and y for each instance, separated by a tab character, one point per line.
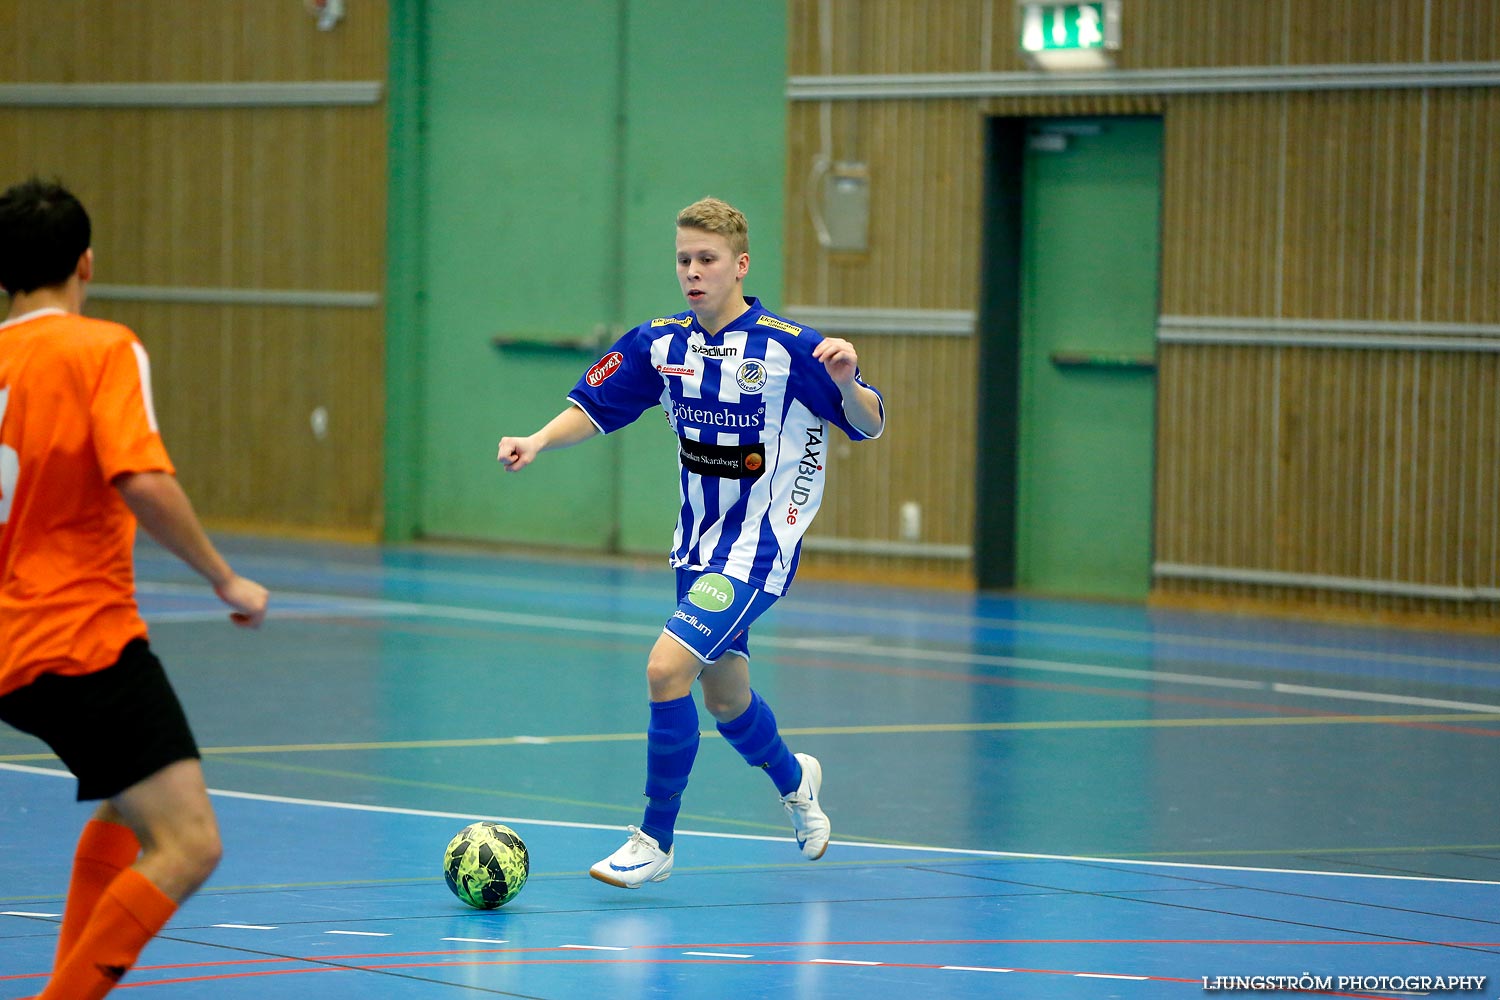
75	412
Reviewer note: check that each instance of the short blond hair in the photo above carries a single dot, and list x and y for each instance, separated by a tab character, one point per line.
715	216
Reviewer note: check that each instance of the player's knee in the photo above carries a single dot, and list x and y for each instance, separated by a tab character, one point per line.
194	850
667	679
202	863
208	852
725	706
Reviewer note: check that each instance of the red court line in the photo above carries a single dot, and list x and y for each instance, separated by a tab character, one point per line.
368	956
1102	941
238	975
686	961
461	957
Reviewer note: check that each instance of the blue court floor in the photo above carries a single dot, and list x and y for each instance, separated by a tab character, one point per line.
1030	798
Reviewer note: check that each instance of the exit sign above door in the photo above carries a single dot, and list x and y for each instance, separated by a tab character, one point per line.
1060	36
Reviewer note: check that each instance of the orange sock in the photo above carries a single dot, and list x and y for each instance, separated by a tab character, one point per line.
104	851
127	916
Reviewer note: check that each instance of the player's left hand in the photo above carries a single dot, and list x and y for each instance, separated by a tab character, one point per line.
838	359
247	598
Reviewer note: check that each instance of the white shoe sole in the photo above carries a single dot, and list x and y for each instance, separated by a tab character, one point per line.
609	879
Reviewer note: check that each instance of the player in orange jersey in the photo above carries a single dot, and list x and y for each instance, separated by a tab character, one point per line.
81	462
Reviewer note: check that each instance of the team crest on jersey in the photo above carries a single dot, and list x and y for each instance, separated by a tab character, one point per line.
778	324
673	321
751	375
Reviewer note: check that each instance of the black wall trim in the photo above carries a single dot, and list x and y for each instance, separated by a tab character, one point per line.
999	374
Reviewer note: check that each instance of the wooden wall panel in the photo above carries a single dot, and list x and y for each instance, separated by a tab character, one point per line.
887	36
1349	31
1192	33
912	36
1221	209
1466	31
925	160
245	199
236	387
251	198
160	41
915	36
1481	498
1459	247
1370	465
1064	105
1216	434
1353	214
924	457
1348	206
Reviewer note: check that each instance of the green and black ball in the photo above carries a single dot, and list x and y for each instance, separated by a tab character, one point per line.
486	865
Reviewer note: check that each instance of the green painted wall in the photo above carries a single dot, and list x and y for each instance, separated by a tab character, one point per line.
534	187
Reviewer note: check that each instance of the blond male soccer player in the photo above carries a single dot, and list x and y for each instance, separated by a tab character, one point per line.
81	462
752	398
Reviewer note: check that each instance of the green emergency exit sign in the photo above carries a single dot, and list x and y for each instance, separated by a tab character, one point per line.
1069	35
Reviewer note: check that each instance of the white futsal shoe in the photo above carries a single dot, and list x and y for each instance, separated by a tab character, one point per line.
808	818
639	861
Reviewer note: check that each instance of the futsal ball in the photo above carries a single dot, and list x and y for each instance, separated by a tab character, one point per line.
486	864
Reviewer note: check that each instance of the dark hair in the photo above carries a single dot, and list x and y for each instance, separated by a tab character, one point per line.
43	232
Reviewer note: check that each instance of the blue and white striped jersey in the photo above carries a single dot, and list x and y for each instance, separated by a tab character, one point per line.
752	410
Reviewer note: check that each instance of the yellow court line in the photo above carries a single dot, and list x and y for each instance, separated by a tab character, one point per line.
1293	851
849	730
1064	724
895	729
436	786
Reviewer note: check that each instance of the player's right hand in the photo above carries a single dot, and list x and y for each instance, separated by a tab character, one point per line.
516	453
247	598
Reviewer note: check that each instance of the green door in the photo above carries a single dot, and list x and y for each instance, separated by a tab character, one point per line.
1090	250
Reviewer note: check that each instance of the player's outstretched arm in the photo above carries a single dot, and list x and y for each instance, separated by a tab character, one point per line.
861	406
567	428
163	509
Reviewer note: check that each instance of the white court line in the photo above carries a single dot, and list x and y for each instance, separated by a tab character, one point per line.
479	940
592	947
359	933
374	607
500	581
1385	699
972	968
924	849
26	913
247	927
717	954
1106	975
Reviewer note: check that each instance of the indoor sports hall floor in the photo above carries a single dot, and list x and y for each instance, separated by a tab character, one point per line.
1030	799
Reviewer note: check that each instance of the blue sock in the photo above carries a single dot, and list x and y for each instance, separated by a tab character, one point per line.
671	745
755	736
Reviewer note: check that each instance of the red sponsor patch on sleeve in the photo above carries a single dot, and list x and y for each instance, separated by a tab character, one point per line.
604	368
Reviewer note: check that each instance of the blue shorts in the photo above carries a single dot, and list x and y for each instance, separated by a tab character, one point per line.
714	613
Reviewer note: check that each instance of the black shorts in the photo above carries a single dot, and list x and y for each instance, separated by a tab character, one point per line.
112	728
